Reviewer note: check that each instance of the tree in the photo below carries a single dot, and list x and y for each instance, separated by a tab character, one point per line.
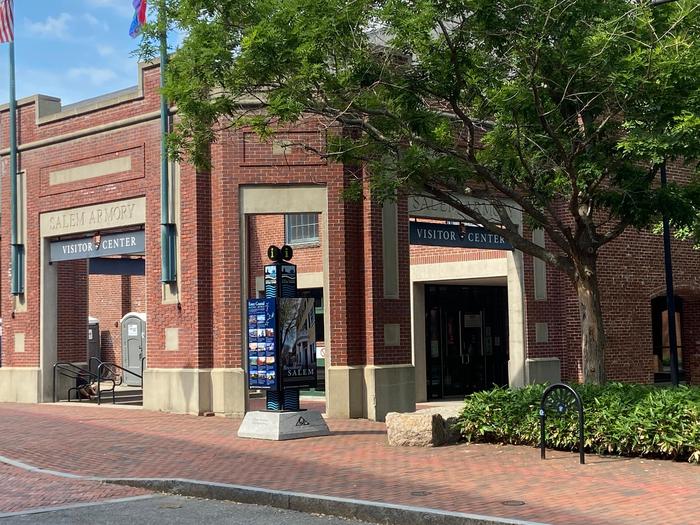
563	109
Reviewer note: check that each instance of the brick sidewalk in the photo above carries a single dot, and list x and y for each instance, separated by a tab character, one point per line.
21	490
355	462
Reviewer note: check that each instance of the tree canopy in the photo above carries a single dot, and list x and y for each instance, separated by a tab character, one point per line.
564	109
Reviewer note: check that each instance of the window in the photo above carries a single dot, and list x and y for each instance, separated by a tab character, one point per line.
301	228
317	295
660	333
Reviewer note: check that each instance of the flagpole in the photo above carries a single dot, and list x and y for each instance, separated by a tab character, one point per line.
16	249
167	236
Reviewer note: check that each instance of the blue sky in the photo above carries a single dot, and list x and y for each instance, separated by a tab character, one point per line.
71	49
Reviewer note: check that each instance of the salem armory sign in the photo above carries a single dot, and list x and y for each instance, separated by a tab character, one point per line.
456	236
103	246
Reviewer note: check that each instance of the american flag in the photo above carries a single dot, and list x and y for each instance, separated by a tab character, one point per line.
7	21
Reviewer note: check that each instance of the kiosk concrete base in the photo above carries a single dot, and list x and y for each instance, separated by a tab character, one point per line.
280	426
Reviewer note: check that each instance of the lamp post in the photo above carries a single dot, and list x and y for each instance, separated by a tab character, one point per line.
670	297
668	266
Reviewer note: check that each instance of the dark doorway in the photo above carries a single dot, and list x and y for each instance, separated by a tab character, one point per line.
466	339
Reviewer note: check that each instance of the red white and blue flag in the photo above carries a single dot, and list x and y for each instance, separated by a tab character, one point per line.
7	21
139	18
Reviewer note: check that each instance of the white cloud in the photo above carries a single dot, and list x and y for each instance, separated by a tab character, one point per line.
52	27
123	7
32	80
94	75
95	22
105	51
91	19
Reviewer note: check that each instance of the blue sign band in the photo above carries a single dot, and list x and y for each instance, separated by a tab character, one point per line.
456	236
88	247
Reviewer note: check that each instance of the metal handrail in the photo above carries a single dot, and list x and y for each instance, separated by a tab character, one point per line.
110	366
72	371
113	372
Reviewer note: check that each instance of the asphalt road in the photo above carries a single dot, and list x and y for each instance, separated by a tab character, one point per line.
170	510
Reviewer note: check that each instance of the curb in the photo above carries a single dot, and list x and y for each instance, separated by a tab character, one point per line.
362	510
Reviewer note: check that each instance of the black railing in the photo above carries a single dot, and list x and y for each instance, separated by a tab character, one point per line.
76	373
104	372
112	368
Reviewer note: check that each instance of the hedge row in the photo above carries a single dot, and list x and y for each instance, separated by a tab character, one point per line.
630	420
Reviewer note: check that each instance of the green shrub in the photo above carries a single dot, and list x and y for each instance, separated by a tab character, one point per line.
630	420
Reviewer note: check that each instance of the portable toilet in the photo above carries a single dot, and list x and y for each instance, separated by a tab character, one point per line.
93	344
133	329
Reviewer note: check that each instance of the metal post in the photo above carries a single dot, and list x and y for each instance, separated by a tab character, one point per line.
15	255
542	436
581	442
670	298
167	234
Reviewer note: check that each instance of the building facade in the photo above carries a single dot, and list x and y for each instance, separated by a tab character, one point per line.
399	319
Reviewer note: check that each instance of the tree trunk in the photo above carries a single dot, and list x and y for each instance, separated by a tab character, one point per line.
592	329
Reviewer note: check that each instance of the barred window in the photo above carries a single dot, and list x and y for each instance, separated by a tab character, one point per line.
300	228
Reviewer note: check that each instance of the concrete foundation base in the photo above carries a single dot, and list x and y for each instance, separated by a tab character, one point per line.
229	394
195	391
370	391
543	370
20	385
280	426
179	390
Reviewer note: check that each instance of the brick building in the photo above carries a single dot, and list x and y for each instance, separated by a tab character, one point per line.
400	321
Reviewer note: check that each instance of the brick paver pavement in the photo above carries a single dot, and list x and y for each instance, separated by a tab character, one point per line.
21	490
354	462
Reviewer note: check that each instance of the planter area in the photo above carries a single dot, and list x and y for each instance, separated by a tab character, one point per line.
624	419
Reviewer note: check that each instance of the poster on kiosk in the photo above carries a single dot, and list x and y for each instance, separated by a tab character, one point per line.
262	345
297	342
281	343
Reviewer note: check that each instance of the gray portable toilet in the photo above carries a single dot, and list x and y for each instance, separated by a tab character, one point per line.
93	344
133	327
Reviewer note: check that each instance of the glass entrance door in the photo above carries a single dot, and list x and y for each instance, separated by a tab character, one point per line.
466	339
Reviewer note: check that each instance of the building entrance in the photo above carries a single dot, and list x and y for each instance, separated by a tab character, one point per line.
100	293
466	339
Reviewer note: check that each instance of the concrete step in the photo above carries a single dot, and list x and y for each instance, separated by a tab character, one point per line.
123	396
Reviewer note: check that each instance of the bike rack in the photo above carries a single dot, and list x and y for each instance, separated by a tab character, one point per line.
560	399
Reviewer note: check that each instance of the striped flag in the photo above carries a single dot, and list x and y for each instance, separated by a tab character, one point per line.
139	18
7	21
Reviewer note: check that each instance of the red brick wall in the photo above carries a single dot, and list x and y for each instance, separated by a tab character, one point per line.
140	140
437	254
631	273
111	297
691	337
72	311
267	230
239	159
